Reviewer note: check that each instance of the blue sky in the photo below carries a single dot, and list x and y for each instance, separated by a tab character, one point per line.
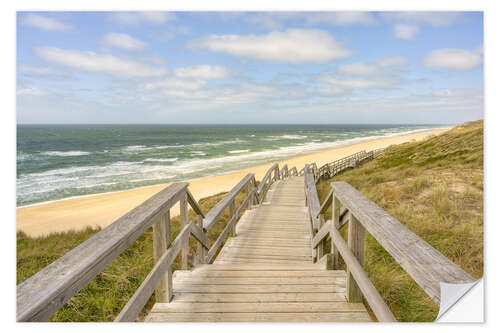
249	67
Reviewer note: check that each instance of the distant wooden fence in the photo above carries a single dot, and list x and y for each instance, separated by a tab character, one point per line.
41	295
427	266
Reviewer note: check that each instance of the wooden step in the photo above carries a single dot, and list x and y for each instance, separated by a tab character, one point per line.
256	288
254	307
260	298
321	280
260	317
258	273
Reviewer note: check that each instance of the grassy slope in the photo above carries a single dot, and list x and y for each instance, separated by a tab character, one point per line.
104	297
435	188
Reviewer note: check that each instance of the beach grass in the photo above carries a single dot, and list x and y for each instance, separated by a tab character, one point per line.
435	188
104	297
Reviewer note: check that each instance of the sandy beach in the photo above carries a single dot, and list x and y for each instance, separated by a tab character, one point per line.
102	209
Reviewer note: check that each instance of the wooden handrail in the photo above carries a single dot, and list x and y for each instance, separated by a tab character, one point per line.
194	204
266	178
41	295
216	211
217	244
311	197
427	266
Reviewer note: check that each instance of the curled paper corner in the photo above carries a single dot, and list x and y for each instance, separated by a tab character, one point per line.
454	297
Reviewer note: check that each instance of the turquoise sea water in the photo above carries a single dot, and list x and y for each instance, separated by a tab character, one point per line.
60	161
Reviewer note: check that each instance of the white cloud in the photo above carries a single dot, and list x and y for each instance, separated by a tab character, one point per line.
45	23
203	72
174	84
292	46
43	72
359	69
341	18
456	59
417	17
133	18
123	41
30	91
396	61
276	20
373	68
98	63
356	83
37	70
405	31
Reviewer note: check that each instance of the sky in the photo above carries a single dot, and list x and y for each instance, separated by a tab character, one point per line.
249	67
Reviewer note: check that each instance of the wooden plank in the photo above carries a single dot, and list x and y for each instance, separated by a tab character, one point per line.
270	243
216	211
253	307
312	199
213	250
231	214
356	244
200	236
336	225
265	178
302	251
260	261
427	266
326	203
183	214
194	204
250	238
325	280
134	306
254	267
39	296
322	233
261	298
260	317
251	289
258	273
161	241
259	257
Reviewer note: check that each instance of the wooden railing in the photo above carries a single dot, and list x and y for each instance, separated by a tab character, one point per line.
421	261
41	295
272	175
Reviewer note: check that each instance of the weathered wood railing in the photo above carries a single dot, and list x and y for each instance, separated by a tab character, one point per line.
272	175
41	295
330	169
421	261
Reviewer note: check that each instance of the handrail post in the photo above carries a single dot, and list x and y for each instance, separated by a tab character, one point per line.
231	214
355	243
321	246
201	251
184	221
336	224
161	242
250	188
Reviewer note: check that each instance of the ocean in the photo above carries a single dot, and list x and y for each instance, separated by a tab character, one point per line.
61	161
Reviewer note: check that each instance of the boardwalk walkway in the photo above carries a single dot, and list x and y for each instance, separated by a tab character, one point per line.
264	272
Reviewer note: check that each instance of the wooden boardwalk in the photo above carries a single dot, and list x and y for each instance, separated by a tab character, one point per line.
264	272
273	267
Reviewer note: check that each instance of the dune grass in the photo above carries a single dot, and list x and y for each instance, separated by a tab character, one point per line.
435	188
104	297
